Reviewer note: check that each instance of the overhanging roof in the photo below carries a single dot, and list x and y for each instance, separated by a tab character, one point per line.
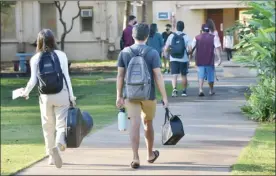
217	6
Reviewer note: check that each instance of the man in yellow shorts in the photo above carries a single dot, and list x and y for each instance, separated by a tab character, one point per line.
144	109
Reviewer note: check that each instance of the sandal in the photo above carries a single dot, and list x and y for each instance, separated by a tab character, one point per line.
134	165
213	93
156	155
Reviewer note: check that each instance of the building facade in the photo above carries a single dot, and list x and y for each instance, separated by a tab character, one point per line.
96	33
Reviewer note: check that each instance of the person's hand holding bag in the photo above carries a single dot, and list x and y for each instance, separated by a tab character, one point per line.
73	101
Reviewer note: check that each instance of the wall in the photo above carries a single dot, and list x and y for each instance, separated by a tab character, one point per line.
162	6
228	19
193	19
193	13
79	45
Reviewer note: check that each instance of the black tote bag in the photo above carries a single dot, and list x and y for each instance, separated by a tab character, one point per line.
172	129
78	124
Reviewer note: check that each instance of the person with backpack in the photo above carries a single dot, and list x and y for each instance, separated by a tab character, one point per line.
205	44
126	38
166	56
155	39
49	68
179	47
138	71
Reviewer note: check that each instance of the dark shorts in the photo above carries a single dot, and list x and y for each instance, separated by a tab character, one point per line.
179	68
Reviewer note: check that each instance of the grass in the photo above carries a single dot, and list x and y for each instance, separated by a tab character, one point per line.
96	63
258	158
22	140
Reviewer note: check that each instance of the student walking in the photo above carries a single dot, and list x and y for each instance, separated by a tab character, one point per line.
166	55
228	43
126	39
205	44
132	61
49	68
178	45
155	39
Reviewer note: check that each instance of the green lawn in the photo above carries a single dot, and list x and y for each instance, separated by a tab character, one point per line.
258	158
21	135
96	62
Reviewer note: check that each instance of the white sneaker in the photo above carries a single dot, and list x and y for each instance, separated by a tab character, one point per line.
51	160
174	93
57	159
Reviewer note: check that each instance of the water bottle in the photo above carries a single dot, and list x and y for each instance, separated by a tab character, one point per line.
122	120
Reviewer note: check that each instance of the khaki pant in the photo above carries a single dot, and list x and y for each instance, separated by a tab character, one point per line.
54	111
146	109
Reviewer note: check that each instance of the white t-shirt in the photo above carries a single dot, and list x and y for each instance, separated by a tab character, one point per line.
228	41
215	33
187	43
34	70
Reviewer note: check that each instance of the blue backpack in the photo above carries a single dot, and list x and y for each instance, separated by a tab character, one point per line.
50	76
178	48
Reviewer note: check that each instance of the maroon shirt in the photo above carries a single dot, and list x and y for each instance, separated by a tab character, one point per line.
127	36
205	55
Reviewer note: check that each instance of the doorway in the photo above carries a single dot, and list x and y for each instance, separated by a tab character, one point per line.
217	16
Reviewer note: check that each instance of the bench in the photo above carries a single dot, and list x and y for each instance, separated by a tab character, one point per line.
23	65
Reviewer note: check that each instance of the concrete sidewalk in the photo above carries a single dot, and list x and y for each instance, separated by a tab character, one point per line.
215	130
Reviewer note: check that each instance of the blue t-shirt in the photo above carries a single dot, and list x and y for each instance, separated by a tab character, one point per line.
152	59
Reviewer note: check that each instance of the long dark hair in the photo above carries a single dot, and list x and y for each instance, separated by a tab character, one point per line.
211	25
153	29
46	41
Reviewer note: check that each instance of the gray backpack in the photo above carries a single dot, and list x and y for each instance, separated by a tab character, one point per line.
138	80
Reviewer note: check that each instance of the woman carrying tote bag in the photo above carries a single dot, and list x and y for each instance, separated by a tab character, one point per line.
49	68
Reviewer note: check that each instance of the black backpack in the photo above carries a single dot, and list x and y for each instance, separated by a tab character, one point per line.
178	48
50	76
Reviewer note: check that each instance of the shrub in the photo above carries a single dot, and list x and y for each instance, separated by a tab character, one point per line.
257	48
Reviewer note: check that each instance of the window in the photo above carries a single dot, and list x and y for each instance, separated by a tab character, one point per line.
48	17
8	27
86	19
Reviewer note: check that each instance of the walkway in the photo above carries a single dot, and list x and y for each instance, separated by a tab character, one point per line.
215	130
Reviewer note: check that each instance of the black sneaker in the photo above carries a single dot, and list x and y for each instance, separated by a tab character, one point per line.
174	93
184	93
201	94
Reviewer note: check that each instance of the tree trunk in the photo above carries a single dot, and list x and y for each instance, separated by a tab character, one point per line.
127	13
144	12
66	30
62	40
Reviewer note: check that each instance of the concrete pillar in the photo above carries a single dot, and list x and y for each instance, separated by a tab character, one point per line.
134	9
36	13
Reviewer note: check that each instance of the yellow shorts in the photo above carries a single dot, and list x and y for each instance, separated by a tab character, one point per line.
146	109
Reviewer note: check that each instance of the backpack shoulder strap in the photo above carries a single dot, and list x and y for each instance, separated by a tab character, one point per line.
143	54
146	51
56	61
131	52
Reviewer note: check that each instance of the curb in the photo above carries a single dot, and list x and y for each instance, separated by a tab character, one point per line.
26	167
